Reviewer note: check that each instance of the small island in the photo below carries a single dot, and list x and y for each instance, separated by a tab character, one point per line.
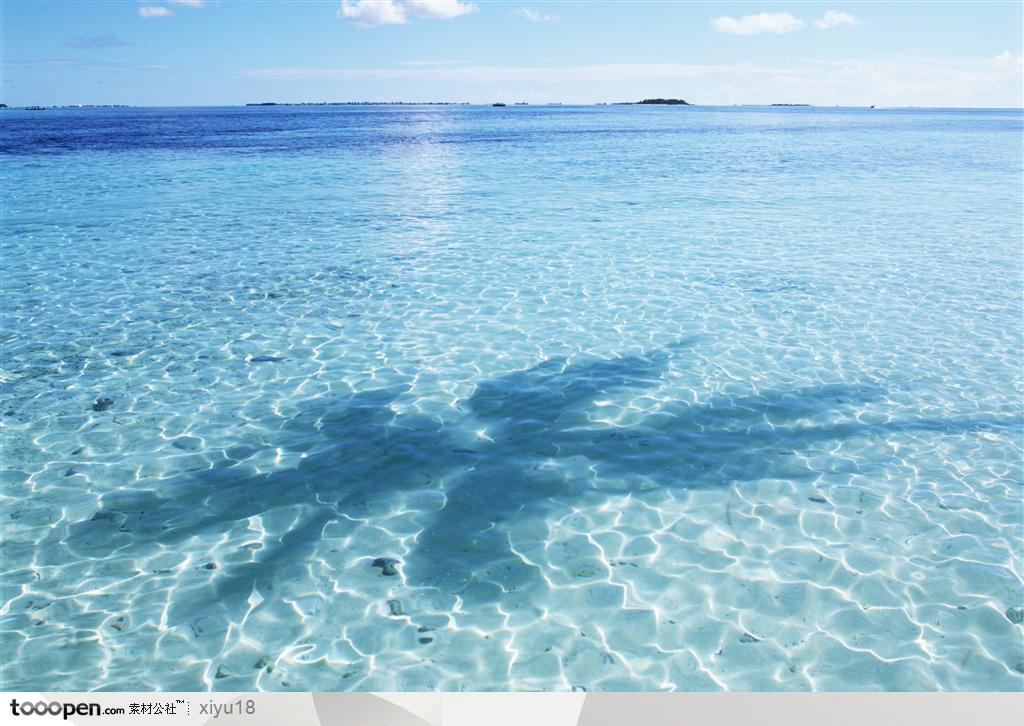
662	102
358	103
71	106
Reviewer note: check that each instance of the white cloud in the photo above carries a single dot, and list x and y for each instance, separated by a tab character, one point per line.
397	12
833	19
154	11
534	17
760	23
97	41
84	64
895	81
148	10
372	12
510	74
1009	61
911	81
439	9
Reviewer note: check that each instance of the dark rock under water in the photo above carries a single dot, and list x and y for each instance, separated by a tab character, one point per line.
386	565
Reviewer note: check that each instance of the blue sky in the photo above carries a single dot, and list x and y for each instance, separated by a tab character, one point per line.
208	52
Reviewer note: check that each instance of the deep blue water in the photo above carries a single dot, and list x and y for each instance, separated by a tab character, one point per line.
415	398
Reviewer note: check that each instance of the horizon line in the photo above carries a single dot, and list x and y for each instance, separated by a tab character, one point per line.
271	104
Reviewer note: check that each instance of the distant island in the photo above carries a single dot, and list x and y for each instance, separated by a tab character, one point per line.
358	103
789	104
662	102
71	106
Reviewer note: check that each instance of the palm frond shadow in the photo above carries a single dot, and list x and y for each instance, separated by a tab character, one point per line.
359	451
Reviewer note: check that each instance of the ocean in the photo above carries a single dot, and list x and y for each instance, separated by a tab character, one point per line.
399	398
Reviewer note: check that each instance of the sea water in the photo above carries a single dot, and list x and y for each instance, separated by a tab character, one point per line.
605	398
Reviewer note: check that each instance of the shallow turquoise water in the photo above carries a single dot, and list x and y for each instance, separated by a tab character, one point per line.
625	398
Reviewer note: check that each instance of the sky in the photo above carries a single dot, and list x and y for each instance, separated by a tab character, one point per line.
225	52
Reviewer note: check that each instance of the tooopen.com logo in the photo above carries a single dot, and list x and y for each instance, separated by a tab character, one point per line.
56	708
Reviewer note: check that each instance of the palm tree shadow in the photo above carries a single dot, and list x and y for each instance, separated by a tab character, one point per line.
537	420
536	443
348	449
